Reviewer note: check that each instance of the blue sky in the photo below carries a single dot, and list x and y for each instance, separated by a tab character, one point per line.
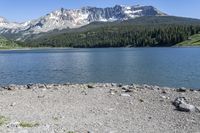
23	10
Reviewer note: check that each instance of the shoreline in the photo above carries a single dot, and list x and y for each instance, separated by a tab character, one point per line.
36	48
145	86
96	108
142	86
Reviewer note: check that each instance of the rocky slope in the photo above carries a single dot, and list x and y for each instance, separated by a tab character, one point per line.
74	18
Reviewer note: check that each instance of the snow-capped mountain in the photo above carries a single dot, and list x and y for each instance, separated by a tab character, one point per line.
74	18
6	24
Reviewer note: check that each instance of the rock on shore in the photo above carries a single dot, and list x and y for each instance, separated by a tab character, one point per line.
98	108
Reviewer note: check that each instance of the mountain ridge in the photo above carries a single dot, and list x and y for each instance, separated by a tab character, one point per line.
74	18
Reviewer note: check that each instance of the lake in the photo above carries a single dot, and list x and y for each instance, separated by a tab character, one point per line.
172	67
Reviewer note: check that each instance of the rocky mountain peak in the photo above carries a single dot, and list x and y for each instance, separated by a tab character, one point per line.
74	18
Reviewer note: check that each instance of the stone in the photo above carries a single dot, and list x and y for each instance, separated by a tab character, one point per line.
119	85
89	132
29	86
113	84
13	125
141	100
55	85
186	107
84	92
41	96
90	86
179	100
156	87
164	97
182	89
10	87
195	91
182	104
41	86
146	86
44	89
13	104
164	91
66	84
127	89
112	92
125	95
138	86
191	90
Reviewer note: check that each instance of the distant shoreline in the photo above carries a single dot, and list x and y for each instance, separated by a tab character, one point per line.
36	48
32	48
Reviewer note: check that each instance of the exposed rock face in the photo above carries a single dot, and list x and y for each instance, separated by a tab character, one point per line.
74	18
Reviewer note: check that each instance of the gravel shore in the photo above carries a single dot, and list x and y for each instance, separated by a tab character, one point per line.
96	108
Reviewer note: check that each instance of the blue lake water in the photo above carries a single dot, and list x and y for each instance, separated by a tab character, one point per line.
173	67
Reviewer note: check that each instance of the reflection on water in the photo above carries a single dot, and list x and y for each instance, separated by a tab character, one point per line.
174	67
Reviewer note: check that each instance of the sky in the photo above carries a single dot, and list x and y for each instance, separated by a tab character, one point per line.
24	10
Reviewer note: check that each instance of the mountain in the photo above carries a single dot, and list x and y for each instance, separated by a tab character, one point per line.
141	21
147	31
8	25
75	18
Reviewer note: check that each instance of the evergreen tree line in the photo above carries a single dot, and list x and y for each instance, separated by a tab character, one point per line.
157	35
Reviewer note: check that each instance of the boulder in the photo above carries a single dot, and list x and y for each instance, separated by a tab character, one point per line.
10	87
182	104
186	107
90	86
127	88
182	89
29	86
119	85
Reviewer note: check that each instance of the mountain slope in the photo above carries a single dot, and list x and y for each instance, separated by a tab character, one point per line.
75	18
146	20
140	32
6	44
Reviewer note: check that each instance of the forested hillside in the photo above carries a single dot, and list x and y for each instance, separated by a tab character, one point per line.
141	32
6	44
